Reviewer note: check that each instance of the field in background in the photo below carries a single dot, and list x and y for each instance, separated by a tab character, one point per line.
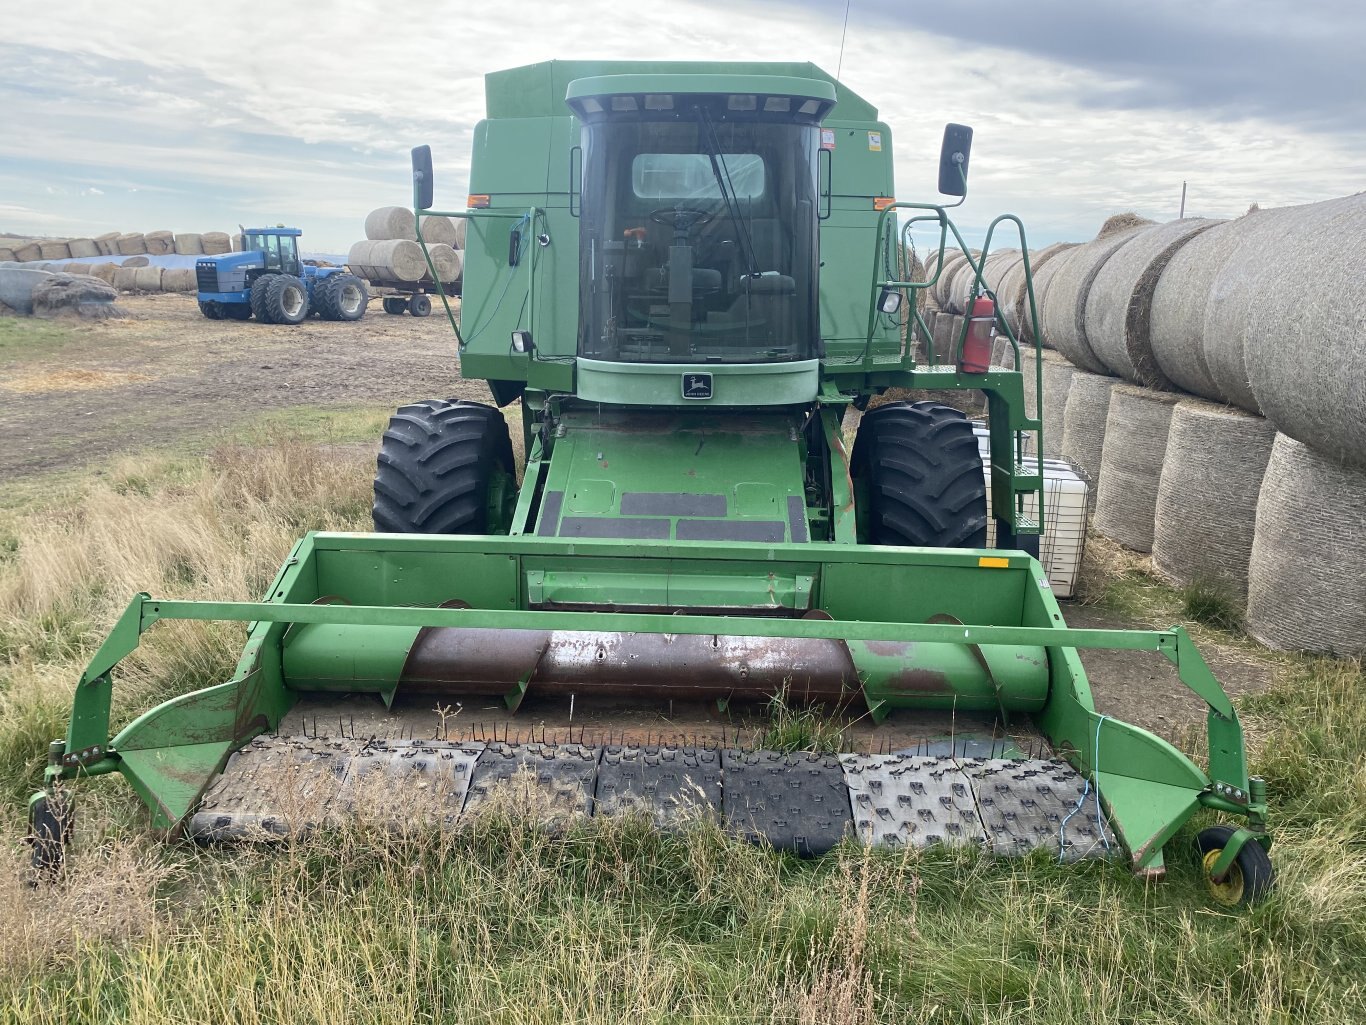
610	922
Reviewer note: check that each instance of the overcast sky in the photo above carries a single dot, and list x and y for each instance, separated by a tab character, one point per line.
197	117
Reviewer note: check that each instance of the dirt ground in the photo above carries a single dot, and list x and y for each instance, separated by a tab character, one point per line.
164	373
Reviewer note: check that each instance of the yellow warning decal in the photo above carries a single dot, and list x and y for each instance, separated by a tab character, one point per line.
993	562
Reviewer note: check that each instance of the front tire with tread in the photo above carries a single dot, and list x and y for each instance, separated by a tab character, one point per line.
922	477
1251	877
445	467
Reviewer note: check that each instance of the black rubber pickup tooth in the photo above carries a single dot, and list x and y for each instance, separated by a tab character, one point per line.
794	802
670	784
911	801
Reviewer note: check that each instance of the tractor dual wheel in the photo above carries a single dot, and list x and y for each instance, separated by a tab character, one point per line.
920	474
279	299
445	467
340	297
1248	880
211	308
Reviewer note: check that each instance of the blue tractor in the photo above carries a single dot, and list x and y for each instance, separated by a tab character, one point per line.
268	280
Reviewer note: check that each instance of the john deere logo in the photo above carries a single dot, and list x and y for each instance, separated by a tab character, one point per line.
697	386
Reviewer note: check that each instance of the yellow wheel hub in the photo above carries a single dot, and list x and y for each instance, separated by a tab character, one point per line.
1229	892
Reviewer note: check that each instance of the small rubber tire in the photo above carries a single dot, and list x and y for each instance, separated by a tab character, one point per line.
922	477
49	824
259	299
439	464
287	299
1250	878
211	308
340	297
237	311
395	305
420	305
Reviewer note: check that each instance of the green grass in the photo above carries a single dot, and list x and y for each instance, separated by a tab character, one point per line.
611	921
1213	603
25	338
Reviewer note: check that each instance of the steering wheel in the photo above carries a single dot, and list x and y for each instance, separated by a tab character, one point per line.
681	218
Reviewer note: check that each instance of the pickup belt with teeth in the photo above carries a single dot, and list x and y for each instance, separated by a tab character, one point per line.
804	803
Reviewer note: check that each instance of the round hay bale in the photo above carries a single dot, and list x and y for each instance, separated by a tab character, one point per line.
105	272
1207	496
16	287
83	247
961	283
28	252
178	279
54	250
215	243
1305	348
126	278
1306	590
1064	306
395	260
7	255
947	327
1136	429
68	293
1121	224
189	243
147	279
1003	355
390	222
78	268
239	243
446	261
1119	304
1043	278
107	243
1083	423
1057	385
135	261
953	259
438	230
159	243
131	244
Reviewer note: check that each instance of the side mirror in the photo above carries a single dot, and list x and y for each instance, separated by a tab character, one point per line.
423	185
953	160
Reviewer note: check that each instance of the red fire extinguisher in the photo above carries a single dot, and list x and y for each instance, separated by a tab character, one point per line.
976	355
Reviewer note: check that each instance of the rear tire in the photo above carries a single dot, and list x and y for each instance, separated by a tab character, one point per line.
211	309
340	297
445	467
922	477
420	305
286	299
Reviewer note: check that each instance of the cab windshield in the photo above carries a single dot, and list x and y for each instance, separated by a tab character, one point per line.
698	238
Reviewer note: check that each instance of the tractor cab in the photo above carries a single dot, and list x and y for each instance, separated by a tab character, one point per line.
699	220
278	246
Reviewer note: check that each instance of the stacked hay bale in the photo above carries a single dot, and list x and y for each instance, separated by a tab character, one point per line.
1119	304
135	261
147	279
1014	295
159	243
178	279
107	243
82	247
131	244
53	249
189	244
126	279
7	255
215	243
1057	384
1064	304
104	271
1306	590
28	252
1084	423
1207	497
445	240
954	261
397	260
1136	430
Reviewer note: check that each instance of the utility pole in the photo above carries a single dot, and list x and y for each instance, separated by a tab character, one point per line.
1183	202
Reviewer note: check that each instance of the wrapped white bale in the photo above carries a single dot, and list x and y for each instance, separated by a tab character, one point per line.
1057	384
28	252
189	243
83	247
1119	304
107	243
390	222
1207	497
131	244
126	278
1064	305
215	243
1306	589
396	260
16	287
147	279
1083	422
1136	429
54	250
178	279
159	243
1305	347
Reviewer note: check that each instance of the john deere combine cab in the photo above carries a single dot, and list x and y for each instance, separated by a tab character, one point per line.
683	277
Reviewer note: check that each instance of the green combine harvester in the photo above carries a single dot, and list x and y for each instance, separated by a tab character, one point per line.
685	275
